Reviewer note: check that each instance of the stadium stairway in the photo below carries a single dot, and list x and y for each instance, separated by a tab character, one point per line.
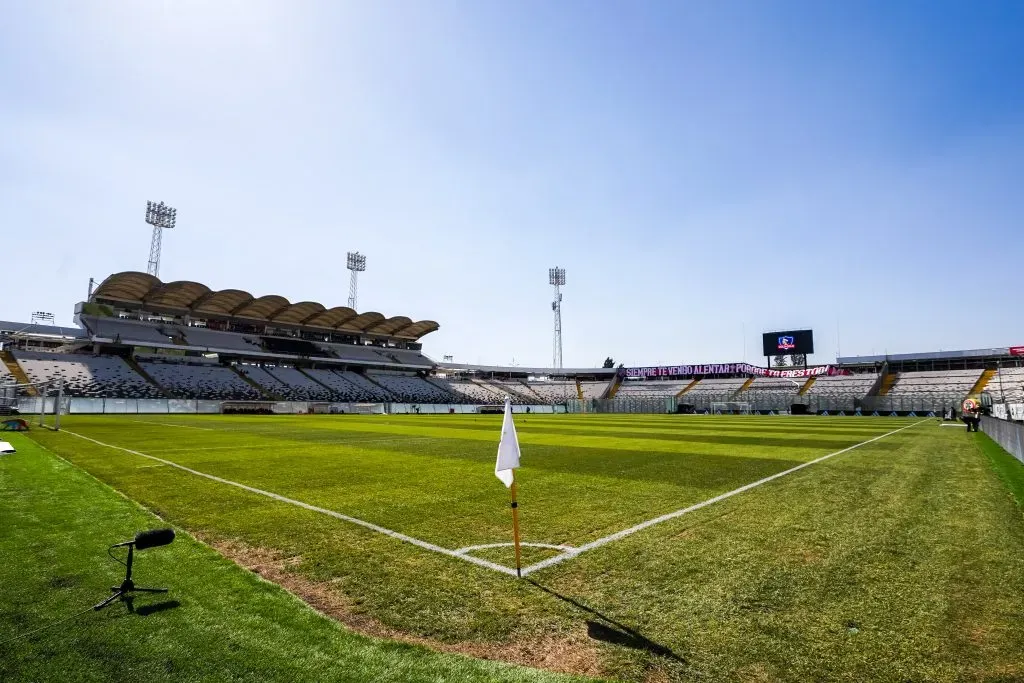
527	391
807	386
17	372
264	392
982	382
888	382
613	387
146	376
746	385
689	386
383	390
314	380
579	389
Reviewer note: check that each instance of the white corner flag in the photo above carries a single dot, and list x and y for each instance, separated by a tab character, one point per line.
508	448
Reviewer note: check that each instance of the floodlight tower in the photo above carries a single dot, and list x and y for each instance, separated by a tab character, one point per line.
556	278
357	264
161	217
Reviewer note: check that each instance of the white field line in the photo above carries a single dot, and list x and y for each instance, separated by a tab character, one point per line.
947	424
710	501
171	424
337	515
485	546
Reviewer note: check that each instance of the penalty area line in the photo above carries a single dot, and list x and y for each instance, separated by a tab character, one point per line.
313	508
569	554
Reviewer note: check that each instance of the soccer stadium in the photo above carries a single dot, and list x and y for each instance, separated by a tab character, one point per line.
286	394
322	449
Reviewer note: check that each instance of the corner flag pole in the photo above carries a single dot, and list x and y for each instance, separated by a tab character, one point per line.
505	471
515	526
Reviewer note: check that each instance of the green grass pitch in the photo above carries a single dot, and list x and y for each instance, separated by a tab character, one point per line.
899	559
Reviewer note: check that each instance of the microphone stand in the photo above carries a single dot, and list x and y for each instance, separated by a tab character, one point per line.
127	586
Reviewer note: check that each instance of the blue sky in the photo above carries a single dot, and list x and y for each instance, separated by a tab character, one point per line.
704	171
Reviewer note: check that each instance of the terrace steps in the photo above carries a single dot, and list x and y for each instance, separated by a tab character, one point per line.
689	386
807	386
982	382
146	376
746	385
888	382
384	390
265	392
316	381
579	389
613	387
17	372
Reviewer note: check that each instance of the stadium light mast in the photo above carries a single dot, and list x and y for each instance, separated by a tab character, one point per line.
161	217
357	264
556	278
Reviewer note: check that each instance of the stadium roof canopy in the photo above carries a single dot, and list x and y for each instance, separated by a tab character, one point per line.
519	370
15	329
995	352
143	291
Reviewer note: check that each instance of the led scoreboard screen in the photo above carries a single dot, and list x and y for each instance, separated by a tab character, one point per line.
788	343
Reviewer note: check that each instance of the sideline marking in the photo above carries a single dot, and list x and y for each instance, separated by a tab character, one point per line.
710	501
337	515
170	424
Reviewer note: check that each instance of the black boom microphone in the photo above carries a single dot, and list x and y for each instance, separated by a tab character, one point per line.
153	538
144	539
149	539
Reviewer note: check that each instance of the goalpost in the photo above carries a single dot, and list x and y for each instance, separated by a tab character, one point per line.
730	408
368	409
37	403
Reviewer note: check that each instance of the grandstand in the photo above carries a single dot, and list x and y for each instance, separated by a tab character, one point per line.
140	338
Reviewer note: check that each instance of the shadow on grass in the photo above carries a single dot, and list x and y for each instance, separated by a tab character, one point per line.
146	610
609	630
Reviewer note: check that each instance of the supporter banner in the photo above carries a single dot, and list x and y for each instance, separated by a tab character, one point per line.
730	369
1017	350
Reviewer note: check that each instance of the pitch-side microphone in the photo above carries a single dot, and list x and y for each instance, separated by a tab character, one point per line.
144	539
149	539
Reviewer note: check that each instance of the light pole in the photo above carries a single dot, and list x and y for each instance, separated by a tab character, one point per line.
161	217
556	278
356	264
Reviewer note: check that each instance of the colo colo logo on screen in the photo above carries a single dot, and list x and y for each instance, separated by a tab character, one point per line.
786	343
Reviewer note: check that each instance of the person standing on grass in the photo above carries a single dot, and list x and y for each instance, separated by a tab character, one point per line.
971	416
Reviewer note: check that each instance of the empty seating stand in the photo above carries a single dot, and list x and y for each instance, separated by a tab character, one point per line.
651	389
1007	384
718	387
205	381
86	375
554	392
945	382
412	388
856	386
